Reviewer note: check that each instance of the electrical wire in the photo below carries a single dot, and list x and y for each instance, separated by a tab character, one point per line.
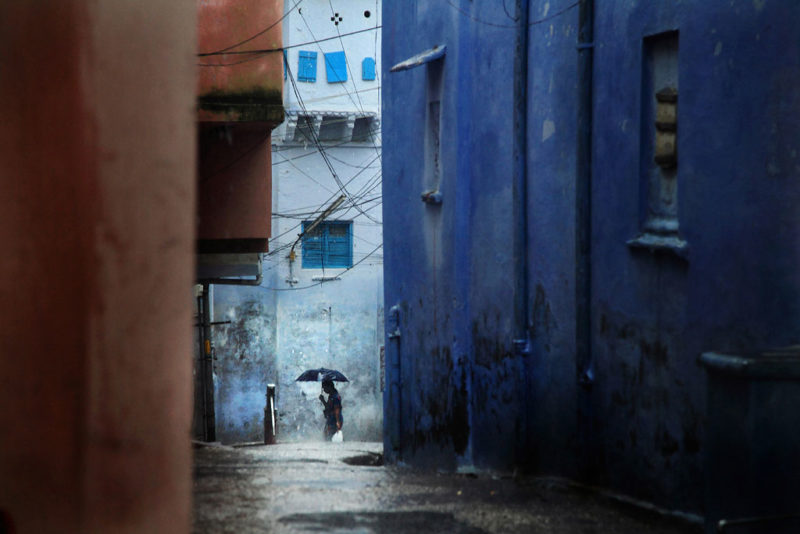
292	145
320	210
295	147
331	97
347	63
359	105
343	162
307	215
533	23
301	171
325	57
259	53
360	198
317	143
322	282
262	32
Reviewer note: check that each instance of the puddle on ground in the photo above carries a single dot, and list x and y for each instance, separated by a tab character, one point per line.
370	459
379	523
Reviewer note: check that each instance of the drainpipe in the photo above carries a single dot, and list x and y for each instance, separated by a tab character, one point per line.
520	214
393	401
207	367
583	234
201	360
206	356
520	186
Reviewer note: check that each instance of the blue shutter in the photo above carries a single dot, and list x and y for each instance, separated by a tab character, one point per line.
336	67
329	245
340	249
368	69
307	67
285	63
313	244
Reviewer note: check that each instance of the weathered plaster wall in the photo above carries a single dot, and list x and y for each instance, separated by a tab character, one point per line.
551	163
234	197
228	88
244	360
639	427
97	165
450	267
281	329
311	21
324	330
272	341
336	324
736	177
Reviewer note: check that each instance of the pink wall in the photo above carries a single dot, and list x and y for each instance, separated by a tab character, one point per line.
223	23
97	203
239	103
235	185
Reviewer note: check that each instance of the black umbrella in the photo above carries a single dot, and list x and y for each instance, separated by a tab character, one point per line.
318	375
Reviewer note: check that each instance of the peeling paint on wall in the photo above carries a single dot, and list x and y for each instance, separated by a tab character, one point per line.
244	362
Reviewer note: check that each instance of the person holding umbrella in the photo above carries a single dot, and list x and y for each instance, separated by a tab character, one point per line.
332	409
333	406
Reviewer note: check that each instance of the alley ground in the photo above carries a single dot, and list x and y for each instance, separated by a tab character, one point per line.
327	487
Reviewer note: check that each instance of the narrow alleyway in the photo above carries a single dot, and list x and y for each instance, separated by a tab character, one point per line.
322	487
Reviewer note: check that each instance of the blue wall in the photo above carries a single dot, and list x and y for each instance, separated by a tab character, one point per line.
458	393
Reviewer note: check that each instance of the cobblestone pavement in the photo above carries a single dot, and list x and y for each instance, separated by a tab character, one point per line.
337	487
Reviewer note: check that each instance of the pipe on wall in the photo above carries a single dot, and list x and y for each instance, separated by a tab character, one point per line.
207	367
583	230
521	340
520	187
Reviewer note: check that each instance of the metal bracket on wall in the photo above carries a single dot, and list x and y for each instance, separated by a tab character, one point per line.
393	330
427	56
521	347
723	524
586	377
432	197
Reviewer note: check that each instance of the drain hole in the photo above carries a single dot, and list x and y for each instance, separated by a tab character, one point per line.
370	459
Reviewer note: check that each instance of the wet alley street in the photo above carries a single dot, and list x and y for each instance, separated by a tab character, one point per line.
342	488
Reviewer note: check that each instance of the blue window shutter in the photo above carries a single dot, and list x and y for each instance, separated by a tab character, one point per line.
313	244
336	67
285	64
368	69
340	249
329	245
307	66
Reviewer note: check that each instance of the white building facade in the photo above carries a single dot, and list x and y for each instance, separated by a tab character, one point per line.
325	268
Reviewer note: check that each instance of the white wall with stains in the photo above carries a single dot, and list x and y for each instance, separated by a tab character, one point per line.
306	318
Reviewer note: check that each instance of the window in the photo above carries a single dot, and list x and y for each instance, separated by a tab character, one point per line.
363	129
307	67
304	131
368	69
333	128
336	67
329	244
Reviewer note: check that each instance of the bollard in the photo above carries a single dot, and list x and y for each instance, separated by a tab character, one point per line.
270	416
